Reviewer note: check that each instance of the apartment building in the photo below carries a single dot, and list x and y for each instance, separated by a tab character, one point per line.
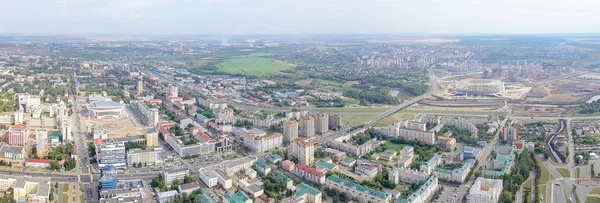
224	116
425	191
309	174
112	154
406	175
356	190
335	122
304	151
290	131
307	126
321	123
262	142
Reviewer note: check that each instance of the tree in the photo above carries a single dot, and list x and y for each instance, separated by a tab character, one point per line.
54	165
70	164
189	179
7	199
319	153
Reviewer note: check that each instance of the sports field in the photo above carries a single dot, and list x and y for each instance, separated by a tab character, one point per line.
255	66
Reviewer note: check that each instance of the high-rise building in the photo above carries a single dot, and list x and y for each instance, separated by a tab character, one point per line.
174	91
335	122
510	133
322	123
18	135
140	87
19	117
307	126
65	130
485	191
290	131
304	151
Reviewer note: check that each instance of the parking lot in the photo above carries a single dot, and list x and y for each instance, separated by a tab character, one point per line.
452	193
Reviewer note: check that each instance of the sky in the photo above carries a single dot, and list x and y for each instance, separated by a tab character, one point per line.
230	17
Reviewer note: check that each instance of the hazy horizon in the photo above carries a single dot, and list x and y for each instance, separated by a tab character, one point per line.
310	17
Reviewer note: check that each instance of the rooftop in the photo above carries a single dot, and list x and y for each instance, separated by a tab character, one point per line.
105	104
371	191
204	198
167	194
239	197
304	188
309	170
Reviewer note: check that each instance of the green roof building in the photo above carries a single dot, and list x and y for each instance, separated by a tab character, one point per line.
356	190
239	197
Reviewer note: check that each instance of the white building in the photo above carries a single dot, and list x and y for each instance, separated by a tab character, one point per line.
458	175
233	166
424	192
485	191
309	174
208	177
189	150
172	174
27	102
406	175
100	132
147	157
262	142
223	179
224	116
65	130
405	157
364	194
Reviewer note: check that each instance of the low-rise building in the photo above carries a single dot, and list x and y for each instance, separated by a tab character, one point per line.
405	156
166	197
289	184
11	153
176	173
425	191
335	155
485	191
447	143
233	166
305	194
288	165
406	175
209	178
457	175
309	174
141	156
263	167
355	190
223	179
188	188
429	166
239	197
112	154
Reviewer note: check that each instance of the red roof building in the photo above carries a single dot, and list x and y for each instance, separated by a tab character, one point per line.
309	174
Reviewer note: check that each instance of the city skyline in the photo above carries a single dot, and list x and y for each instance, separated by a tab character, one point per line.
231	17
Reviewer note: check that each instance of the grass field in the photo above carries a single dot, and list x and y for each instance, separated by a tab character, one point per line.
595	191
591	200
390	120
391	145
527	186
255	66
564	172
354	116
544	177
